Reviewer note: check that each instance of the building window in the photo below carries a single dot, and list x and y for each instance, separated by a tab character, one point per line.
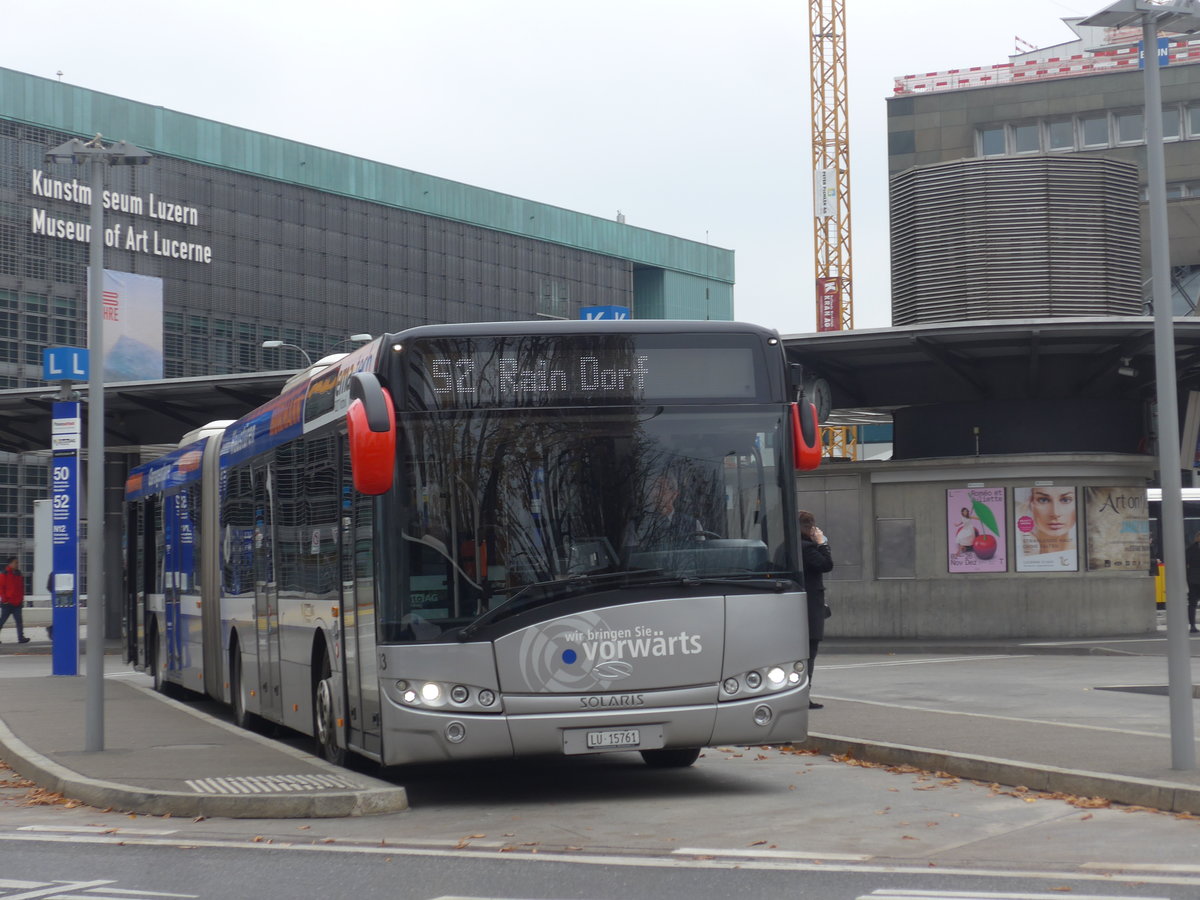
991	142
1093	131
1026	139
1170	120
1131	128
1060	135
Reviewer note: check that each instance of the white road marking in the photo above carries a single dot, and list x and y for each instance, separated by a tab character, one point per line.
750	852
90	890
273	784
919	662
1095	642
1110	875
886	894
55	889
974	715
98	829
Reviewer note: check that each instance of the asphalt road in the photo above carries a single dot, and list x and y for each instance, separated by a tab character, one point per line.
747	822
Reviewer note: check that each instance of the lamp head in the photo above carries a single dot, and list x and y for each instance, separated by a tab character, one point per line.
124	153
272	345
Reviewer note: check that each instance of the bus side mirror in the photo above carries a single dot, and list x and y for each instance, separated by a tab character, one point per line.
806	436
371	431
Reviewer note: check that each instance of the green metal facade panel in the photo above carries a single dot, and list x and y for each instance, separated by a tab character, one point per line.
75	110
661	294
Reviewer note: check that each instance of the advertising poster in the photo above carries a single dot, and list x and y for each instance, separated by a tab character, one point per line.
975	530
133	327
1044	519
1118	529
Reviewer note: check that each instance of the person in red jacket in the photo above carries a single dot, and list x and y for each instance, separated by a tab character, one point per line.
12	597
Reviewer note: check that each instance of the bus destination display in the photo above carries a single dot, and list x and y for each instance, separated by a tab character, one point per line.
478	373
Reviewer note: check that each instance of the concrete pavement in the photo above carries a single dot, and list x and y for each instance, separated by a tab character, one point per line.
1085	718
162	756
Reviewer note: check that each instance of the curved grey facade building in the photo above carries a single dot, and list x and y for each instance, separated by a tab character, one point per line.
1014	238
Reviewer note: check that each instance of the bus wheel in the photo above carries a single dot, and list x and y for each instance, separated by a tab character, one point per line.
241	718
671	759
324	717
156	669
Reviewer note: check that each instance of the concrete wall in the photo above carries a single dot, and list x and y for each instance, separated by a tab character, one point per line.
873	511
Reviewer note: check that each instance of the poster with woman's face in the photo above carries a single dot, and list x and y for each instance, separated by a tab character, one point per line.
975	530
1044	521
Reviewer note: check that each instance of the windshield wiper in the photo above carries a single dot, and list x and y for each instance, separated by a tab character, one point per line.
754	579
558	588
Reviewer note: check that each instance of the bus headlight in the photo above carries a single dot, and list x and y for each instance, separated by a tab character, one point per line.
430	692
768	679
440	695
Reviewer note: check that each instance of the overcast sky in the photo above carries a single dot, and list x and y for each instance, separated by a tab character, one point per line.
689	116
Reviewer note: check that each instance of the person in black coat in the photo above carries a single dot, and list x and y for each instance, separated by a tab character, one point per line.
817	560
1191	558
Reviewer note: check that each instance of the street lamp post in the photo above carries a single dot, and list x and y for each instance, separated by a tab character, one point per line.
97	155
275	345
1181	16
354	338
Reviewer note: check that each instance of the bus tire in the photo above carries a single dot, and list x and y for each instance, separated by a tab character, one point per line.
325	715
671	759
156	664
237	694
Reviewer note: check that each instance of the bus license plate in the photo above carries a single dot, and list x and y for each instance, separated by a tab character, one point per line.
613	738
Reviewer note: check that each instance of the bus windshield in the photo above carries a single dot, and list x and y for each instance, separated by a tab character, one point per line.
507	508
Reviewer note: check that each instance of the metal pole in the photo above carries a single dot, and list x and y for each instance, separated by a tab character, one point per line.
94	732
1179	659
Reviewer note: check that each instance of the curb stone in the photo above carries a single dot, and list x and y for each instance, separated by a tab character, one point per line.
1161	795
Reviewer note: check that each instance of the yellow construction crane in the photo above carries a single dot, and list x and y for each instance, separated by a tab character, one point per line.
831	164
831	188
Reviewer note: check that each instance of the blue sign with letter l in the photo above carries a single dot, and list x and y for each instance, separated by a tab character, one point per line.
65	364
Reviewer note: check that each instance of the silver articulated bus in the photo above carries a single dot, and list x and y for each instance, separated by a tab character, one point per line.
492	540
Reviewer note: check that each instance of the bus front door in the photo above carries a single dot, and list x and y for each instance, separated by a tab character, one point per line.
358	611
266	599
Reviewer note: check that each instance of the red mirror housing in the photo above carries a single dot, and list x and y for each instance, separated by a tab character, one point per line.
371	429
806	436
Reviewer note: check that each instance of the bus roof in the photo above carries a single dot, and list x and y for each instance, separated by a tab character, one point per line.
579	326
177	469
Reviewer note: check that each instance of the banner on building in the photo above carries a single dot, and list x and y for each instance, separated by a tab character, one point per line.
1045	539
132	306
975	530
1118	529
829	304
